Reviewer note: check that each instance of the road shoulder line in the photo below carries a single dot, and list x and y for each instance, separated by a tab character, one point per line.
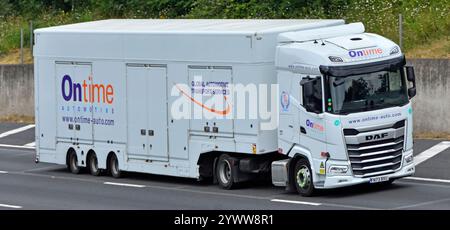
16	146
431	152
10	206
14	131
296	202
125	185
427	179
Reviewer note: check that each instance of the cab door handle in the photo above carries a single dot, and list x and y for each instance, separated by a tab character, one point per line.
302	130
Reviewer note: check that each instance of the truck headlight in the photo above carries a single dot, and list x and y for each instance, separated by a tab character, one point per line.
409	159
338	169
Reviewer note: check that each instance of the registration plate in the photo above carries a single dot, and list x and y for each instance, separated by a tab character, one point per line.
379	179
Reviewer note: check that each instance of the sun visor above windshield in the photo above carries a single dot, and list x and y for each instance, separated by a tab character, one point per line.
343	71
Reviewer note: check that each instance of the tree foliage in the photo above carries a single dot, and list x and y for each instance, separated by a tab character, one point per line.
423	20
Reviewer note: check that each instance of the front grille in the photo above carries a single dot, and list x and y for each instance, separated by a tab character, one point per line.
372	156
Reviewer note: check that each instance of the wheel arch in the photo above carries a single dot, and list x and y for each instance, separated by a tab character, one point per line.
299	153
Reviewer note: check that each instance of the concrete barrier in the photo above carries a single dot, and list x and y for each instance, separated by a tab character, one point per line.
16	90
431	105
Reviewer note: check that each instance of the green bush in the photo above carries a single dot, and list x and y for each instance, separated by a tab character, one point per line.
424	21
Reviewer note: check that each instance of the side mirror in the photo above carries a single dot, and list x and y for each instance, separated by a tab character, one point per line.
412	92
410	75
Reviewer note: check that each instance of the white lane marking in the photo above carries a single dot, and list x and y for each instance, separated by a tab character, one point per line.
32	144
427	179
16	146
431	152
422	204
296	202
3	172
18	130
125	185
10	206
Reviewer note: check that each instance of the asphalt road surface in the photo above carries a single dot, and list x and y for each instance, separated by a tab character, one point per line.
26	185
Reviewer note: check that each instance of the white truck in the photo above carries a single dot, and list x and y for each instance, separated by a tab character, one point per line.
315	104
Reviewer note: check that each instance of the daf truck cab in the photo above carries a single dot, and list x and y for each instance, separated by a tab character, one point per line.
345	110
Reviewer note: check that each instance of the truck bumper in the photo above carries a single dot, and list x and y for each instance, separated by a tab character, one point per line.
343	181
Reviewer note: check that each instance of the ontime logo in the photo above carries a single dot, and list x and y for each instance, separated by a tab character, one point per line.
86	92
366	52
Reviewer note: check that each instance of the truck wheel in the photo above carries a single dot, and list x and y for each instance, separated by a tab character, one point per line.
114	167
224	172
303	178
73	163
93	165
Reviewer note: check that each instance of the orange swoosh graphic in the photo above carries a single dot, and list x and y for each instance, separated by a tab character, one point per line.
219	112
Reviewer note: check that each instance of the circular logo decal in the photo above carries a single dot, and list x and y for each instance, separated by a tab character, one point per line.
285	101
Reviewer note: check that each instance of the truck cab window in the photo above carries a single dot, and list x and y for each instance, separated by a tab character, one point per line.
312	101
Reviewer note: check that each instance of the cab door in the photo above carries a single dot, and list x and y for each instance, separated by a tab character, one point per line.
312	123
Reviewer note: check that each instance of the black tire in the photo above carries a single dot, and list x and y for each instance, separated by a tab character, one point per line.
114	167
224	172
93	165
303	179
72	163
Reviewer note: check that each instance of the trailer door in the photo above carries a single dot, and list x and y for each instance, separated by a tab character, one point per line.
74	121
147	112
65	131
85	107
212	101
157	113
137	111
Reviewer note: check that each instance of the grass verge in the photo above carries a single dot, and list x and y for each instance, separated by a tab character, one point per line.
21	119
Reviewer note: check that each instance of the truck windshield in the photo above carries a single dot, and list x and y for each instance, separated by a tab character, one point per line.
365	92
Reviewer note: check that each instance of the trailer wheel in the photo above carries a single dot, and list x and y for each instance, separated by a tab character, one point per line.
73	163
114	166
224	172
303	178
93	164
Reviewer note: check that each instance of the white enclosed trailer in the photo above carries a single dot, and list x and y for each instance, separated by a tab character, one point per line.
110	95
